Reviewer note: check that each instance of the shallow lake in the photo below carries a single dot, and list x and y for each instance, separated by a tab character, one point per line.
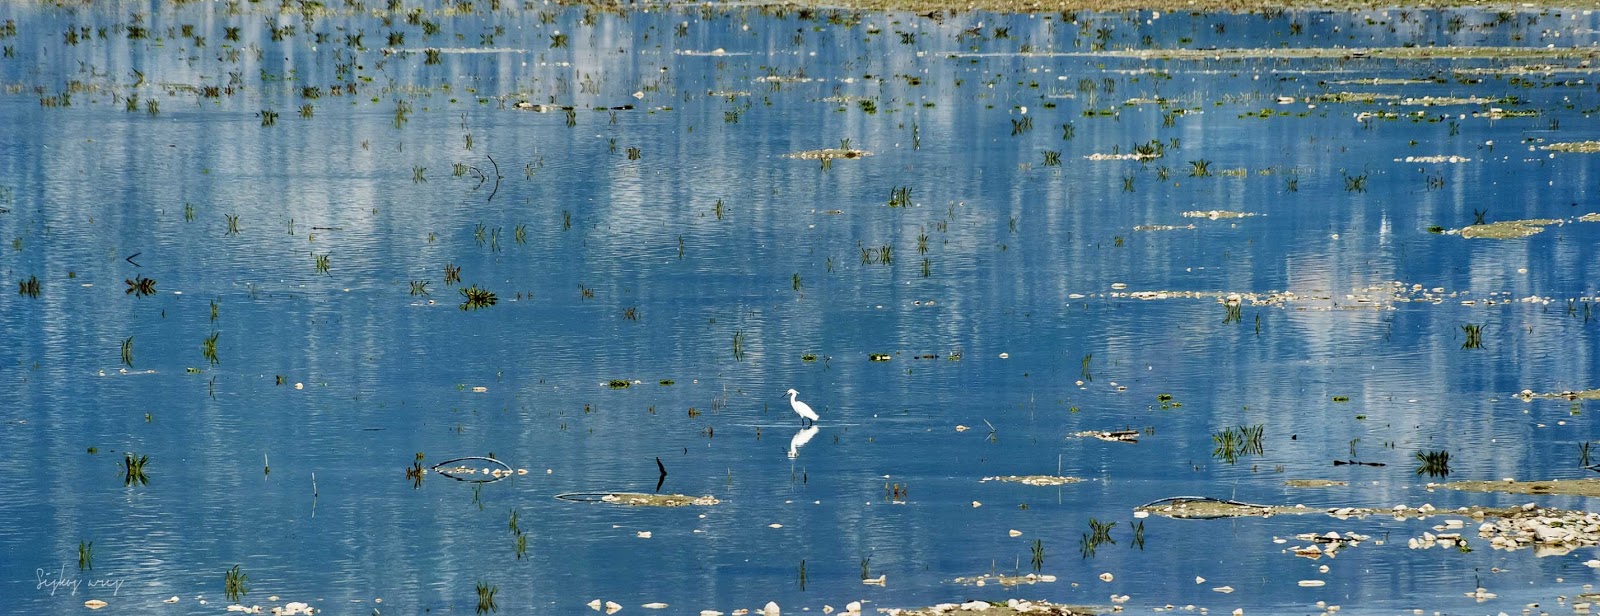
242	238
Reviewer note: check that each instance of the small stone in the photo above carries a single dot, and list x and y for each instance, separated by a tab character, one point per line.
1106	577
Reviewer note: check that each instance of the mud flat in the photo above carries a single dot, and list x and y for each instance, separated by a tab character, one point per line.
1314	483
1006	608
1563	487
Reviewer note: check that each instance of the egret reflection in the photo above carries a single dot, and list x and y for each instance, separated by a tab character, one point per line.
801	437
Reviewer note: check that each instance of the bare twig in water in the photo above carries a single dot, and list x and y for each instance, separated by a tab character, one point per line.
497	178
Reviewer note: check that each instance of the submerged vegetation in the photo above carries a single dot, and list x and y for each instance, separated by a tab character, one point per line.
140	286
475	297
233	584
1237	442
133	469
486	598
1433	463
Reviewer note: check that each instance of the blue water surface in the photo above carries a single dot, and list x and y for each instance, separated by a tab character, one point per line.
716	269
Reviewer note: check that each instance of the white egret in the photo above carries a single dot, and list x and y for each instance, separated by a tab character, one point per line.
807	416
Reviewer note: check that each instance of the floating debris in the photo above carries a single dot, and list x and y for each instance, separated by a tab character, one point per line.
1162	227
639	499
1381	81
996	608
1005	580
1498	113
1206	508
1527	395
1215	214
1314	483
829	154
1036	480
1440	101
462	472
1114	436
1507	229
1325	544
1429	541
1578	147
1550	532
1547	531
1434	159
1139	156
1351	97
